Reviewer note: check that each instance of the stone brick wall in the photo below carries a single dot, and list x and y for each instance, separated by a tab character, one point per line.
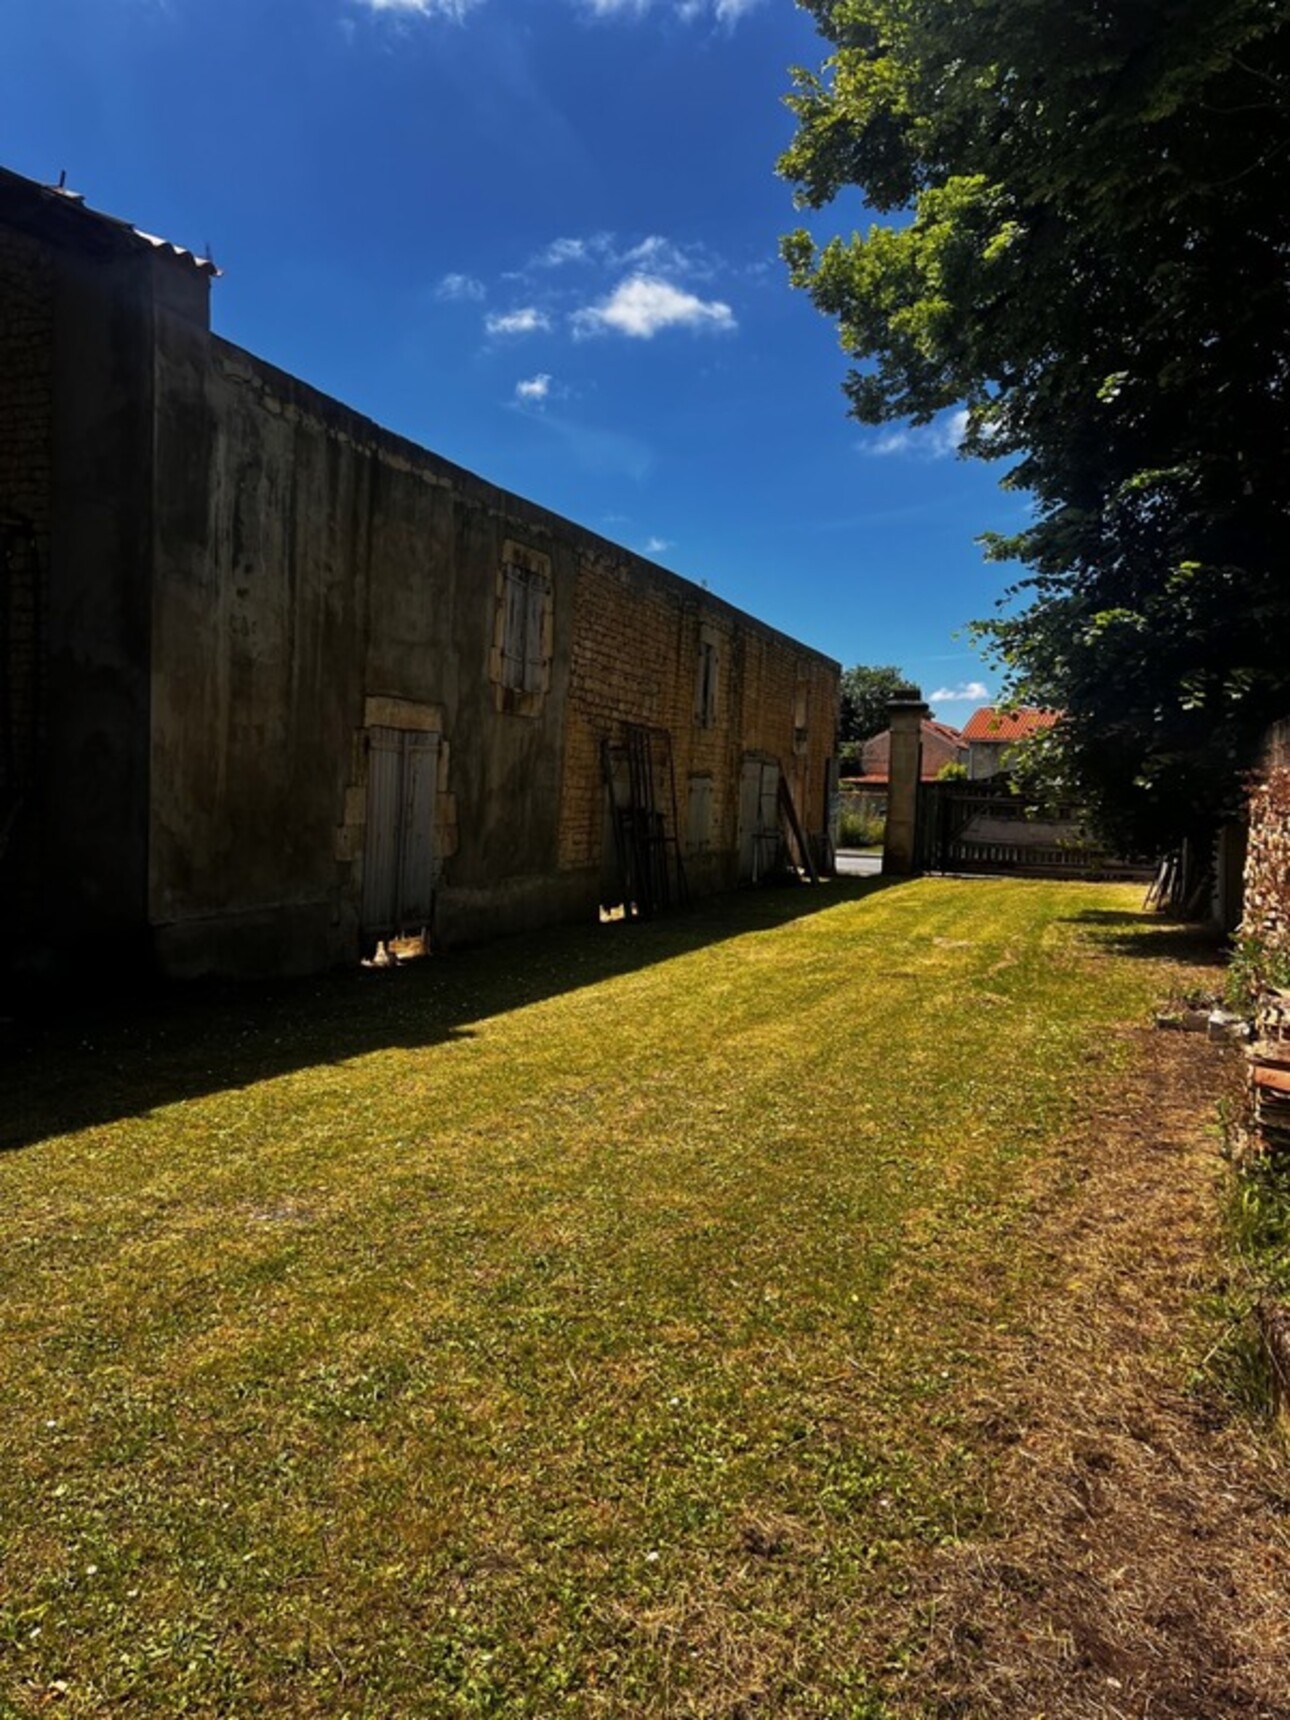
635	658
26	394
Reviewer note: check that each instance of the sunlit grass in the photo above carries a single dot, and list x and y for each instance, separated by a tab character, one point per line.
579	1325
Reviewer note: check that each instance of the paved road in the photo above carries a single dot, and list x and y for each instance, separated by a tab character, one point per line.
854	865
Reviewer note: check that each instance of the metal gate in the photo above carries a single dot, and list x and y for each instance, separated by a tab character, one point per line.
640	781
398	858
987	827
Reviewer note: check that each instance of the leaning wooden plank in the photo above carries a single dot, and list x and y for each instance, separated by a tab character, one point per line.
794	824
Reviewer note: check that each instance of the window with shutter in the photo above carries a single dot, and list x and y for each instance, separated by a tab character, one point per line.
516	608
534	666
523	632
705	685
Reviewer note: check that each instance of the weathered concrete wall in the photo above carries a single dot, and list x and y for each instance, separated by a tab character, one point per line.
310	566
315	575
242	590
986	759
26	500
79	297
95	813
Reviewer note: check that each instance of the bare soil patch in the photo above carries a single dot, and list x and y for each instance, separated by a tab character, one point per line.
1142	1561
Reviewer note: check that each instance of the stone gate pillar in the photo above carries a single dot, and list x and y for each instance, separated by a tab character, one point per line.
906	715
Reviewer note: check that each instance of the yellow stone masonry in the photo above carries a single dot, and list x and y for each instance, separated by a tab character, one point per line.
635	659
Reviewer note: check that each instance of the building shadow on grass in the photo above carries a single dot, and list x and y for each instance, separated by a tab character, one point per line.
73	1064
1149	939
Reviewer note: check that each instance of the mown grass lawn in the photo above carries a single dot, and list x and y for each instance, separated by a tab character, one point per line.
582	1325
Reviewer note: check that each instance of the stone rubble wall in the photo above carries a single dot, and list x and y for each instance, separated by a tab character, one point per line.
1267	866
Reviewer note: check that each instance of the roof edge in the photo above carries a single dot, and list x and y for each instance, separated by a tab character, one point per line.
60	209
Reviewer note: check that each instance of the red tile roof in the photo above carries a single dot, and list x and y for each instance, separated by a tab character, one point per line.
942	745
988	724
945	730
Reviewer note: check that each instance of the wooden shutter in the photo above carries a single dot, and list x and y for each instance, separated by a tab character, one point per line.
699	831
416	856
398	852
534	634
381	842
514	597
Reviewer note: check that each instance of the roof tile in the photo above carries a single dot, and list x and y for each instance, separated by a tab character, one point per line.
989	724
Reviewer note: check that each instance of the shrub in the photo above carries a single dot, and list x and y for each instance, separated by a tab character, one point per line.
1256	966
860	829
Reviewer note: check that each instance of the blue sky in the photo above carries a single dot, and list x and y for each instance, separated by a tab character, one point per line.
539	237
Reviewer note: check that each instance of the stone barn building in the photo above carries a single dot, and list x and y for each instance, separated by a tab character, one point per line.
277	682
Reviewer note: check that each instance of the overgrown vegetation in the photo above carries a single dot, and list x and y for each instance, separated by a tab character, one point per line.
1258	1198
1085	214
860	828
1257	1214
594	1324
1255	967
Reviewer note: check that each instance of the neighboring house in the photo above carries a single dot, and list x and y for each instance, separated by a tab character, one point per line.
865	792
989	734
942	745
277	681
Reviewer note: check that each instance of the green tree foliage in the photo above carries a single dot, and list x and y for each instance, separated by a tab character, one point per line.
1087	240
867	690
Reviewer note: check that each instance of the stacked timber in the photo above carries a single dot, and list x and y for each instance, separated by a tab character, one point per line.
1269	1059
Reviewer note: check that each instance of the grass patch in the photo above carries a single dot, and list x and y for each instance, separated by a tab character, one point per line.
582	1325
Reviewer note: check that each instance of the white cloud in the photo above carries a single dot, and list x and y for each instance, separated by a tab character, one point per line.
534	389
966	693
527	320
724	11
653	255
934	441
423	8
656	255
561	251
458	287
656	545
643	304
